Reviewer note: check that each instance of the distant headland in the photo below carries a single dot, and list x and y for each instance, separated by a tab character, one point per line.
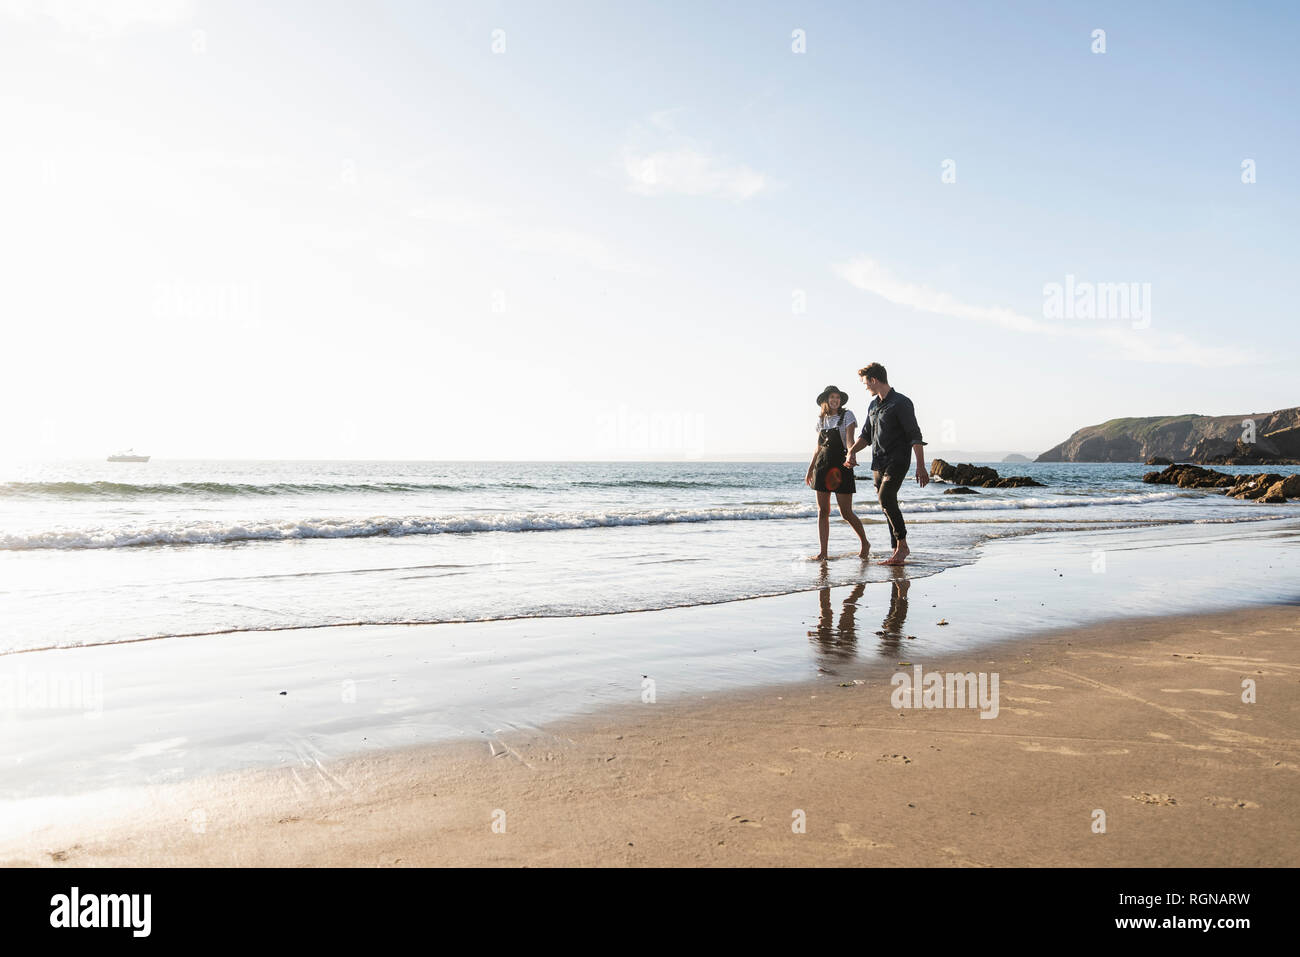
1254	438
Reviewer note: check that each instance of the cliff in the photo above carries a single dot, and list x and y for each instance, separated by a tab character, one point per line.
1218	439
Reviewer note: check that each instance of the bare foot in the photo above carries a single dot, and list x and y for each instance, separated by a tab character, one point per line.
901	551
818	558
866	551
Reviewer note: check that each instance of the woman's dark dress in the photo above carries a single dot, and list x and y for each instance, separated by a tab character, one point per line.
829	473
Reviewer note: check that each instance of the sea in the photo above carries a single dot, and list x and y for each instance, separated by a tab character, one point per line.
96	553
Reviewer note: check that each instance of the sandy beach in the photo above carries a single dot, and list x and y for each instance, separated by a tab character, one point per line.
1142	719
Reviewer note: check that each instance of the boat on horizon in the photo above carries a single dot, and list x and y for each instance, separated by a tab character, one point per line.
128	456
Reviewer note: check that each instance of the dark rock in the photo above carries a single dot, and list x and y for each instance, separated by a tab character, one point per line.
963	474
1278	492
960	490
1252	487
1158	460
968	474
980	475
1246	454
1016	481
1190	476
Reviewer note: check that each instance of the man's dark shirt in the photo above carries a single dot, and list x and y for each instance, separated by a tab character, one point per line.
893	430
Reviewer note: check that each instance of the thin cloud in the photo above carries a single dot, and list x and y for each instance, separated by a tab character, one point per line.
1122	342
692	173
658	159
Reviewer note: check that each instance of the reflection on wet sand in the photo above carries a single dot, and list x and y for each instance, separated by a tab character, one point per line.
839	644
891	632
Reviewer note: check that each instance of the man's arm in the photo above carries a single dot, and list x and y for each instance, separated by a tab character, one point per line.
863	441
907	419
922	475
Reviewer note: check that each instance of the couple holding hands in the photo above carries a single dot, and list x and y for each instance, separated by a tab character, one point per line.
895	439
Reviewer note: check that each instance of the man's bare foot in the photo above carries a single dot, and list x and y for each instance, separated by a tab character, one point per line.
901	551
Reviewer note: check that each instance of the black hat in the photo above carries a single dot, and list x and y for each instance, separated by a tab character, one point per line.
844	396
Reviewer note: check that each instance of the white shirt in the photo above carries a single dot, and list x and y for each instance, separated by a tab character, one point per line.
846	419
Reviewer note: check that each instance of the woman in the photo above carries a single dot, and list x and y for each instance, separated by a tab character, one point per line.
827	473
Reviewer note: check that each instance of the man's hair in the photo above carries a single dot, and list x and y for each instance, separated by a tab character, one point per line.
874	371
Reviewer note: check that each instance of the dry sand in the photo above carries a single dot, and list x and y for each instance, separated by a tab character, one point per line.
1142	720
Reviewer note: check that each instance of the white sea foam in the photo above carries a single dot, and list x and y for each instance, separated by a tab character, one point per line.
999	500
216	532
205	533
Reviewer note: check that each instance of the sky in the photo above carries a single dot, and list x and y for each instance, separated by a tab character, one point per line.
414	230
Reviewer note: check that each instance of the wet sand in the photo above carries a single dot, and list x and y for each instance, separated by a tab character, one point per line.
1140	719
160	712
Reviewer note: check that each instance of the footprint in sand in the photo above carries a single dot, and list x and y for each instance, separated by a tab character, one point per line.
839	755
1212	691
1162	800
1226	802
1034	746
959	859
846	832
893	759
1161	736
1218	749
738	819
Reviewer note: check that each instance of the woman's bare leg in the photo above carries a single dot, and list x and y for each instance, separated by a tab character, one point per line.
845	502
823	522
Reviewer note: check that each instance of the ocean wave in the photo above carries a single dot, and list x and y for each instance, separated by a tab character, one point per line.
126	490
216	533
991	502
674	483
123	490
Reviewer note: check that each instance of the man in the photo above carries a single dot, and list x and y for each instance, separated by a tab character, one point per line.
891	429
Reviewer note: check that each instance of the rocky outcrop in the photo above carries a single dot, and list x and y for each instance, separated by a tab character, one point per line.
1241	453
1158	460
1267	487
960	490
1249	439
981	475
1190	476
